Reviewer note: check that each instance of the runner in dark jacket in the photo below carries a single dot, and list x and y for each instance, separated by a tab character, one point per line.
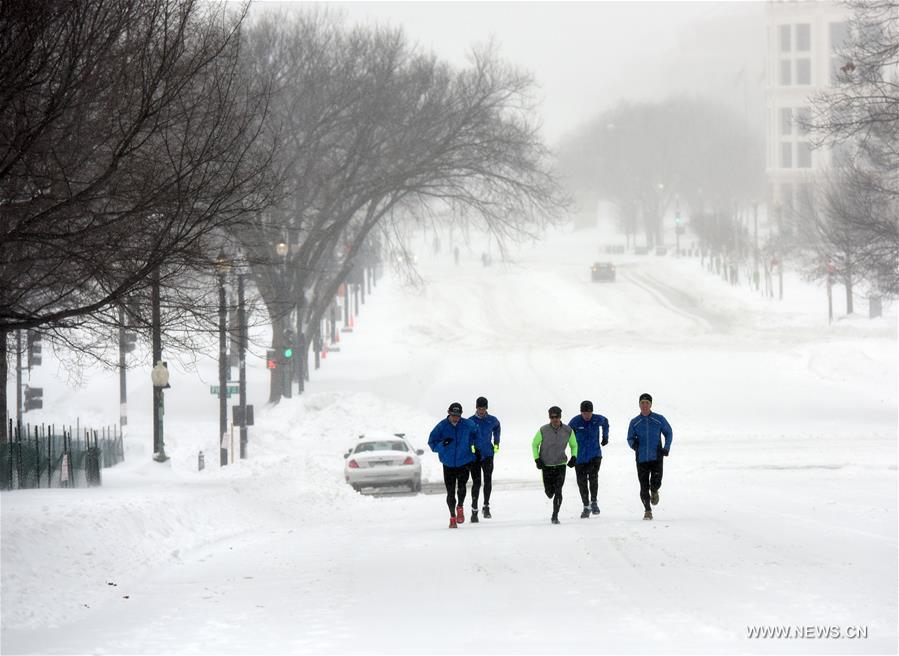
453	441
486	446
644	436
587	427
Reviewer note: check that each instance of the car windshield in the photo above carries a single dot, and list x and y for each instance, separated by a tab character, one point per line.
385	445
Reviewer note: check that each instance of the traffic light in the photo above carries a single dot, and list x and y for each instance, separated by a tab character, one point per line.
270	360
287	349
34	398
34	348
130	342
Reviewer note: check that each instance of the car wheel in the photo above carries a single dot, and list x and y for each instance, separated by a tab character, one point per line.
416	485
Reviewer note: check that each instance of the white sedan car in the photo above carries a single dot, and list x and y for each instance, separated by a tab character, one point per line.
383	461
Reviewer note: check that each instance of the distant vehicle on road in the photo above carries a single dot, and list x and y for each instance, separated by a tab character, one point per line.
602	272
383	460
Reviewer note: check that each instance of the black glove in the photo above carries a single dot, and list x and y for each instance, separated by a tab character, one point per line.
664	452
605	441
539	463
447	441
572	461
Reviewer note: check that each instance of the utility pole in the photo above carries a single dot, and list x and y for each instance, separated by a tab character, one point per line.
242	362
223	364
19	378
123	387
158	409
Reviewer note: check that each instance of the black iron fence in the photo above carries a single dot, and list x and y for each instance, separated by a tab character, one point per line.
47	456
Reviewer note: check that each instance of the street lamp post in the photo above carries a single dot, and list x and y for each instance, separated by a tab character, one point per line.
242	362
282	249
159	376
222	267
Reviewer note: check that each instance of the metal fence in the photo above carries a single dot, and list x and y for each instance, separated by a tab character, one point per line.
45	456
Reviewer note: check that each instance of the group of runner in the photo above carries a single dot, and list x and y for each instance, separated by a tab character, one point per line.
466	447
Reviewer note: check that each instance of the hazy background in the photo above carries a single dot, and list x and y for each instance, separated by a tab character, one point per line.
585	56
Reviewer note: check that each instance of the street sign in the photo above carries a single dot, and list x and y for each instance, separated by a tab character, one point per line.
229	390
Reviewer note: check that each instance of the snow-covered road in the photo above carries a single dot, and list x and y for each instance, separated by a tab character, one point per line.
778	506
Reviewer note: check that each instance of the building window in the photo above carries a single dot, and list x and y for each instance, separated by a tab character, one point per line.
785	39
795	45
795	151
786	155
803	37
803	155
786	121
803	71
839	43
786	68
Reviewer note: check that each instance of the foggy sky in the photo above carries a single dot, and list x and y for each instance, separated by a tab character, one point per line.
585	56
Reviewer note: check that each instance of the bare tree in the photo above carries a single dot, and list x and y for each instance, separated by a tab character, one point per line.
859	118
129	135
374	131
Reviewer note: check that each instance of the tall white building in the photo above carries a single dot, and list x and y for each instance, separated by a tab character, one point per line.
804	38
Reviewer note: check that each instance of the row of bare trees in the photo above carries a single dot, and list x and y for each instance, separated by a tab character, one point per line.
855	225
141	139
648	157
373	133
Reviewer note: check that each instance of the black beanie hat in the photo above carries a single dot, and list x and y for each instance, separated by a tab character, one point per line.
586	406
455	409
481	402
555	410
646	397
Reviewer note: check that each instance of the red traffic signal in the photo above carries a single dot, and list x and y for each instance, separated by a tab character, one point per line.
271	362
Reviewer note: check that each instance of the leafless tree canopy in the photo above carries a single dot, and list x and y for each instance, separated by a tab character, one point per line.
859	117
372	130
129	135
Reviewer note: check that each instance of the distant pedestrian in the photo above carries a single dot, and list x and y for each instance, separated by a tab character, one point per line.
486	446
453	441
587	427
644	436
549	454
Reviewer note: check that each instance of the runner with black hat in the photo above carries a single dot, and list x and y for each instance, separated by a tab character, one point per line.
453	441
486	446
587	427
644	436
549	447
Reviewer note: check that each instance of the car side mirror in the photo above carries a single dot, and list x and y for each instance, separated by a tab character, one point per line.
346	455
420	452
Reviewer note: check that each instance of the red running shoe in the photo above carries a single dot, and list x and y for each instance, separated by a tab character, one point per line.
453	523
460	514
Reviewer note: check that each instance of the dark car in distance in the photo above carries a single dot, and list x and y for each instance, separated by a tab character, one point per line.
602	272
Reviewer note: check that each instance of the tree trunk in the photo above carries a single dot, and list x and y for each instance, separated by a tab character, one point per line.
847	280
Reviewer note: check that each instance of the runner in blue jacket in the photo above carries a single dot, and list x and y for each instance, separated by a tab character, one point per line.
486	446
644	436
453	440
586	427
